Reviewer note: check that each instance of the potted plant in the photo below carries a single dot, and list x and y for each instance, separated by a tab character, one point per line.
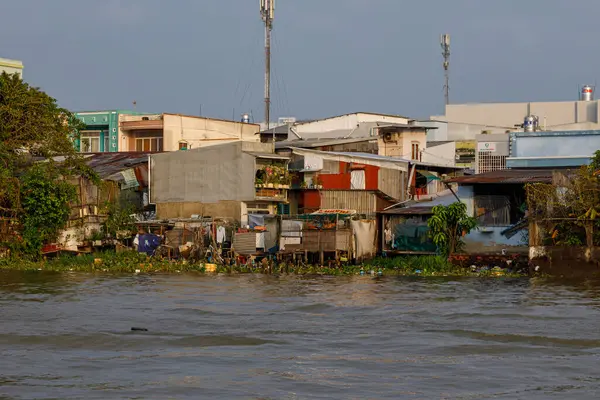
318	182
258	183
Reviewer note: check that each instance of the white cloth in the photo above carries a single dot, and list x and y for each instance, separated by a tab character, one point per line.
221	234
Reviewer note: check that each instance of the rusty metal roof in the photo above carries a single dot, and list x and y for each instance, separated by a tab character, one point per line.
107	164
507	176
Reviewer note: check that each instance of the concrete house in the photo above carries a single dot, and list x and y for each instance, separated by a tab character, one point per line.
132	131
228	180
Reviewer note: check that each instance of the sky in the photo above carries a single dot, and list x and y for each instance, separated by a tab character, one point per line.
330	57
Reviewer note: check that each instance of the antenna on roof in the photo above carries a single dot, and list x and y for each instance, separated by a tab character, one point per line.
445	43
267	12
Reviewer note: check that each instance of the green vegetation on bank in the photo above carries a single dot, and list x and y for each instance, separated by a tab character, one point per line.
133	262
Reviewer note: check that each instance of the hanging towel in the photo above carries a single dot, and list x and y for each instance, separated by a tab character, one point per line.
221	234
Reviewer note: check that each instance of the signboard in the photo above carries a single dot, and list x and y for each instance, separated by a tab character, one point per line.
486	146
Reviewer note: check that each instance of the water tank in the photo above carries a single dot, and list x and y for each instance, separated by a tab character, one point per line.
587	93
530	123
246	118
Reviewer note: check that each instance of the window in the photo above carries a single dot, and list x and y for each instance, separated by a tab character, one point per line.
487	162
492	210
357	179
415	151
90	142
106	143
148	144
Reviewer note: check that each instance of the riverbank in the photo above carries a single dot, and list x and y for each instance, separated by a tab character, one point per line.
132	262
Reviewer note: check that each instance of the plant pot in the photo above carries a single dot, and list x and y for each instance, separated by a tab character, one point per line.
270	185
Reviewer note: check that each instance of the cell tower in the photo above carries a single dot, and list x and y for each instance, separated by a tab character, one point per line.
445	43
267	11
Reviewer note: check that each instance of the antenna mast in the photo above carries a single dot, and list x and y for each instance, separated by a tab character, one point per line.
267	11
445	43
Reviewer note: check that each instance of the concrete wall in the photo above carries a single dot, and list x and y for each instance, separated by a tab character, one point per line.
197	131
11	66
506	115
402	146
443	154
223	209
205	175
343	122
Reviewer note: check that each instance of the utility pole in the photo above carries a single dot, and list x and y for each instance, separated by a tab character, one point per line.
267	11
445	43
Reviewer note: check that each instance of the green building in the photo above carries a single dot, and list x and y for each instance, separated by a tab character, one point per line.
102	130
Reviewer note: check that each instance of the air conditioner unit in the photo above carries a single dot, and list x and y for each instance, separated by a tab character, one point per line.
388	137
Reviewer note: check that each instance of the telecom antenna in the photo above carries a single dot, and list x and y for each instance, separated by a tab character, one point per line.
267	11
445	43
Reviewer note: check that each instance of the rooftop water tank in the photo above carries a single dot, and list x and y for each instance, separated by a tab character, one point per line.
530	123
587	93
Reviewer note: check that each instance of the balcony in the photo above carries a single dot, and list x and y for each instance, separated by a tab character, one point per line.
148	124
279	193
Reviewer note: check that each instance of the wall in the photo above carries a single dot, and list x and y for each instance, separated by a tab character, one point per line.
199	131
506	115
363	202
206	175
492	241
342	180
555	144
11	66
442	154
402	146
224	209
108	123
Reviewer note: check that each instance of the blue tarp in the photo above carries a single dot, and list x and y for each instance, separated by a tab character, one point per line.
148	243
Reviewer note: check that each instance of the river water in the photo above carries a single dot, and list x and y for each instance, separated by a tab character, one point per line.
68	336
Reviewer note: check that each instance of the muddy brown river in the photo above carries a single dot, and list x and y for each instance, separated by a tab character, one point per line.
68	336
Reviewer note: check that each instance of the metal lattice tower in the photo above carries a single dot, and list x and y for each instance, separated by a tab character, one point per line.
267	12
445	43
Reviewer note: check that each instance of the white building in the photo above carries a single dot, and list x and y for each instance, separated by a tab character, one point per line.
465	121
11	66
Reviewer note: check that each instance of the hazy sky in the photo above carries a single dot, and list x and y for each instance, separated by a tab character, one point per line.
329	56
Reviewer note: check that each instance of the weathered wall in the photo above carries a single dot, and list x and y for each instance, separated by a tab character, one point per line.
224	209
506	115
492	241
363	202
443	154
205	175
199	131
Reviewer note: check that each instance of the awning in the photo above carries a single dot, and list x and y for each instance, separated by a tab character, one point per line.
428	175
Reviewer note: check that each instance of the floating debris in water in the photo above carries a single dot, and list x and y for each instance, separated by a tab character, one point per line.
139	329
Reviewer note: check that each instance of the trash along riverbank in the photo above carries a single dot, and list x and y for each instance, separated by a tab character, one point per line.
133	262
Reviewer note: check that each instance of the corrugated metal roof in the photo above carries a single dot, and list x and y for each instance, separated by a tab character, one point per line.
416	210
507	176
107	165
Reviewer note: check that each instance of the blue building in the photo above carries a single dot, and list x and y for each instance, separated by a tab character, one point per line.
558	149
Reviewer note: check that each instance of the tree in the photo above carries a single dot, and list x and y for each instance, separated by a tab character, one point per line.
33	130
448	225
